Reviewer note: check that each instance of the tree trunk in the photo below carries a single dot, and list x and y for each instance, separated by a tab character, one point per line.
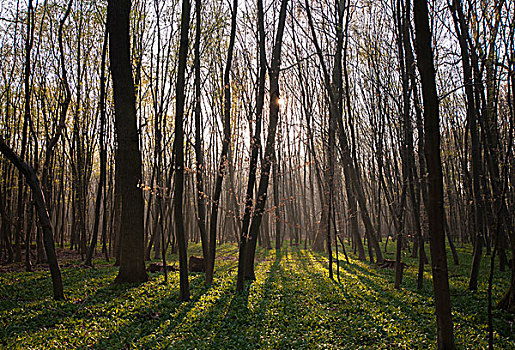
277	219
255	148
248	249
179	152
44	219
444	326
201	203
103	155
132	263
224	160
472	117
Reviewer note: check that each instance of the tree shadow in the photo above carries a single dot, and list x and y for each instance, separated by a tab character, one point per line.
410	308
367	303
92	295
292	304
117	308
224	319
34	293
163	313
248	321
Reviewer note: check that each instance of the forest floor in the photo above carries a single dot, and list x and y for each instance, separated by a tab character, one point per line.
292	305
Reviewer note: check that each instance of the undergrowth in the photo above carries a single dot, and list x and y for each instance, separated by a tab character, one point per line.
292	305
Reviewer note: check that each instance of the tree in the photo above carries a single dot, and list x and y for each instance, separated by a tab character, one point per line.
103	155
179	151
224	159
132	263
335	93
472	118
247	251
255	146
435	210
44	220
199	158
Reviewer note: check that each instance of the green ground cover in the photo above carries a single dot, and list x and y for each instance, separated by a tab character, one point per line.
292	305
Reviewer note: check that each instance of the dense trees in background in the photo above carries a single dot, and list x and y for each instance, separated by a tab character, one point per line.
386	120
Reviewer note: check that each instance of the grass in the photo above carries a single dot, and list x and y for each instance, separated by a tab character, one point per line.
292	305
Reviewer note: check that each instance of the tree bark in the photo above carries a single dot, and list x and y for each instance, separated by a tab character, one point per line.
224	159
248	249
132	263
201	203
179	152
44	219
103	155
444	326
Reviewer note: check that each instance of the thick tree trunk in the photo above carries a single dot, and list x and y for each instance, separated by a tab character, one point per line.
444	326
132	263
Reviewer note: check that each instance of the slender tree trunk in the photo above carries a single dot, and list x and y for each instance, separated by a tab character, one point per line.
255	147
224	159
47	178
26	121
277	219
508	300
44	219
201	203
406	142
179	152
247	254
330	181
472	118
103	155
